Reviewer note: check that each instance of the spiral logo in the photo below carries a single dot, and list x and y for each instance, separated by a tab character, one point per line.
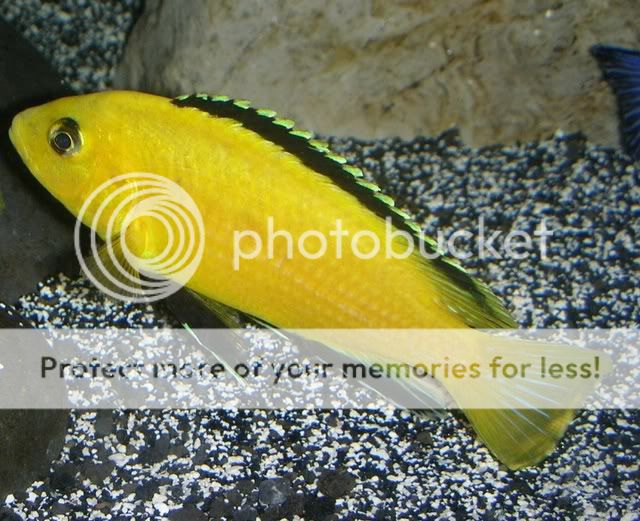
163	223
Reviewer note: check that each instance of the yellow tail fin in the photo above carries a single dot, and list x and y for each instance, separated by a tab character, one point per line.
521	420
520	437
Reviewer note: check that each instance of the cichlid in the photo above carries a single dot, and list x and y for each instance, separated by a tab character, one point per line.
621	68
242	164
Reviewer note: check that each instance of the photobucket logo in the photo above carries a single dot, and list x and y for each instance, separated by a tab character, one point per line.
151	211
392	244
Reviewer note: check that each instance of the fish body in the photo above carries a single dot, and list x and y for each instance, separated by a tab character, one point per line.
237	178
621	68
243	166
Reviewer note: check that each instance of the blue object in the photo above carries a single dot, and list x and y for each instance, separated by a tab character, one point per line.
621	68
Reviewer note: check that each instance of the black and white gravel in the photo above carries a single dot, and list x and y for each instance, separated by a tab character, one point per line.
386	464
320	465
83	39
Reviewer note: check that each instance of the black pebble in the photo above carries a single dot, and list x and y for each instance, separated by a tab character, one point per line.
271	514
63	478
219	508
97	472
274	492
274	435
61	508
320	508
309	476
157	452
332	420
234	497
104	423
75	453
123	436
200	456
383	514
246	486
336	483
245	513
295	504
6	514
130	487
146	491
179	451
565	503
188	513
298	449
446	216
424	438
522	486
576	145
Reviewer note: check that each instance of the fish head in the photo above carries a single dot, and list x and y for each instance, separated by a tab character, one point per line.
75	145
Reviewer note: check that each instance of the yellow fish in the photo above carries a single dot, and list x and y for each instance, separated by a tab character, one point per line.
240	165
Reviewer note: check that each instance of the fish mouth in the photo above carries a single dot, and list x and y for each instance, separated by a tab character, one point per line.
15	137
12	134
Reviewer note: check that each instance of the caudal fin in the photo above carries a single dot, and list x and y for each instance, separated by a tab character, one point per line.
522	419
520	437
621	68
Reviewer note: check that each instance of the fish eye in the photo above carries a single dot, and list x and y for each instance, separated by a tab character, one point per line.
65	137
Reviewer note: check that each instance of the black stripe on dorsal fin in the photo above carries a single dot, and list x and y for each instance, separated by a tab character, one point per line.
313	153
316	155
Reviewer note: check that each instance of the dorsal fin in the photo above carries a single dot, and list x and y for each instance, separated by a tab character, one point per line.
481	310
313	153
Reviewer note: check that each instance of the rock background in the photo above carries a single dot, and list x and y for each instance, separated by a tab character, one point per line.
501	70
36	233
29	439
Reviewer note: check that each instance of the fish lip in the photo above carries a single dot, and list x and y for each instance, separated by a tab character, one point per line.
17	141
12	134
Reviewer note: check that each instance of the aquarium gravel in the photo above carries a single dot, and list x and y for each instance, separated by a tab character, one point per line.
83	39
350	464
387	464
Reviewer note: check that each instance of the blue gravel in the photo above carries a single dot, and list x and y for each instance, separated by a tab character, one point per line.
321	465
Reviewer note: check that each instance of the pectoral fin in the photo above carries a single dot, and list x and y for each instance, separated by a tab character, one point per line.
231	318
112	273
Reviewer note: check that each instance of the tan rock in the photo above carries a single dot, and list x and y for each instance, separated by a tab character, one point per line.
502	70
